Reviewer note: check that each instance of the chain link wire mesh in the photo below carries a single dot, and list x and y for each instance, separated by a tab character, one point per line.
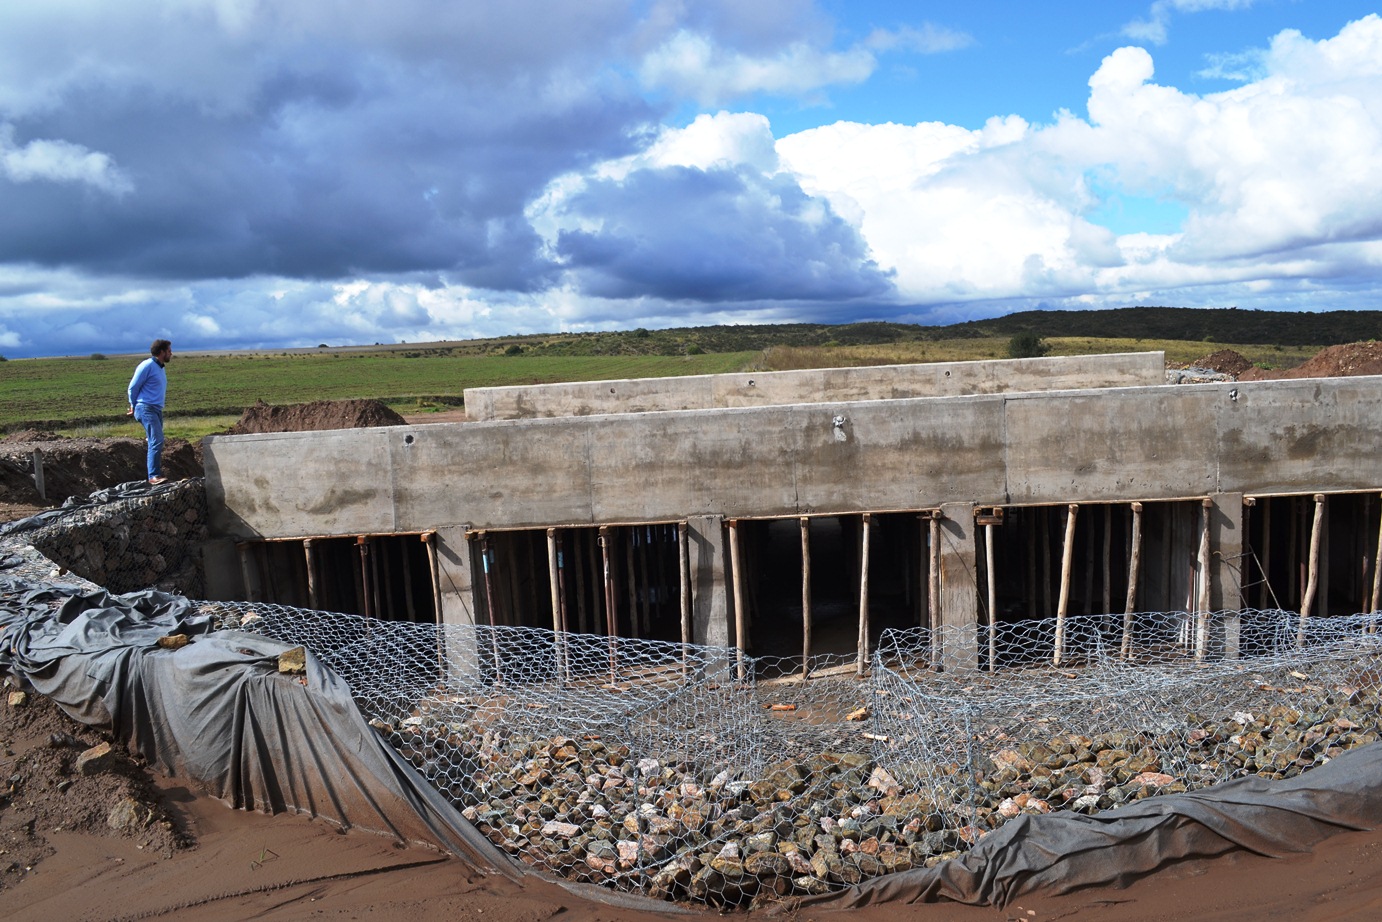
1195	700
654	767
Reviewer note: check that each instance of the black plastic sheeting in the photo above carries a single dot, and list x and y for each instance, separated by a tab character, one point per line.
129	490
217	711
1062	852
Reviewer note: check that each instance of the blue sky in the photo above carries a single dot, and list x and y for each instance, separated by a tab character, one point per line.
248	173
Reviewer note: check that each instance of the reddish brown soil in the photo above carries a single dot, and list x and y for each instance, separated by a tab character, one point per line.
316	416
43	793
1225	361
79	466
1333	362
252	866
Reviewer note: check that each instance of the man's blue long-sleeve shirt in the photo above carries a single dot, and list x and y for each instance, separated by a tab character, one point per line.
149	384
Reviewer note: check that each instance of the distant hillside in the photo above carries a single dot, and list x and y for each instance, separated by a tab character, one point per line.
1217	325
1224	325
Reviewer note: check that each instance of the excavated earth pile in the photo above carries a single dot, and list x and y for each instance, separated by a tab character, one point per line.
316	416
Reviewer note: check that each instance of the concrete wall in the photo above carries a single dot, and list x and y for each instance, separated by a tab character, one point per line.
1038	448
1318	435
777	388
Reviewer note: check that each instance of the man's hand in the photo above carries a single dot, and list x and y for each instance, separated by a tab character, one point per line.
130	411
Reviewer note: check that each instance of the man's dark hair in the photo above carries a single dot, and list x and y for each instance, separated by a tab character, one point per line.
158	346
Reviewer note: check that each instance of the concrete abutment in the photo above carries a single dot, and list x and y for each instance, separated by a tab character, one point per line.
967	497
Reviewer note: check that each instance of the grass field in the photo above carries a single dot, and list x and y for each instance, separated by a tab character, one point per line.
209	391
63	393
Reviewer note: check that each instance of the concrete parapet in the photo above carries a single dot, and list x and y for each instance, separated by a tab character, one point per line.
815	385
1113	445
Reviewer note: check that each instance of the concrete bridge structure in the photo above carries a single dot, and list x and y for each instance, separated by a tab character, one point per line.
751	509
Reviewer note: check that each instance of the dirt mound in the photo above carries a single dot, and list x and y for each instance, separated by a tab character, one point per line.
1331	362
32	435
1225	361
80	466
316	416
44	791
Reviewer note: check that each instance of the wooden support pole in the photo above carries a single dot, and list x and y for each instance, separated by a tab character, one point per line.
1377	572
740	632
862	649
1292	550
38	474
382	567
558	603
430	539
630	537
1030	590
1202	583
993	597
1046	565
611	600
310	558
553	569
1361	518
582	613
366	575
409	600
805	598
644	535
247	572
1089	560
933	570
1265	592
1134	572
487	563
1108	558
1067	555
1313	574
684	574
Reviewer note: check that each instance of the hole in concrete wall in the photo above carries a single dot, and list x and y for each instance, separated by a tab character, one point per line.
1028	565
379	576
1276	566
641	597
771	558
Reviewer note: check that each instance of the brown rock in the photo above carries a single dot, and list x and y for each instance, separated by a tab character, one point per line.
95	760
293	662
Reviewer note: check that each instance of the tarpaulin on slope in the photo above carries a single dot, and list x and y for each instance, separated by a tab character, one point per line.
1060	852
219	712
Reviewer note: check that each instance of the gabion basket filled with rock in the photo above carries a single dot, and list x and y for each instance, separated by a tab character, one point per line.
694	773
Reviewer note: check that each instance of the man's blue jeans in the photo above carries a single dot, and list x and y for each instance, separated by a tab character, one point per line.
152	419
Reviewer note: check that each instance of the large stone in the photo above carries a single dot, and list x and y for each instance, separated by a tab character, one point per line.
96	759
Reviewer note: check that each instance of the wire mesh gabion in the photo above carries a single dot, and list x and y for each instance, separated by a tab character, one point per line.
688	772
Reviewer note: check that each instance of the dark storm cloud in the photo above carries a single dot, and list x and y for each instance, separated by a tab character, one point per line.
682	233
302	143
322	177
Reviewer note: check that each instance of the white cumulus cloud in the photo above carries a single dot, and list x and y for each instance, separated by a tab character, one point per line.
1280	179
45	160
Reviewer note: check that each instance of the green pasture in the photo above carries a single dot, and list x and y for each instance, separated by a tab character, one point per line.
67	394
209	391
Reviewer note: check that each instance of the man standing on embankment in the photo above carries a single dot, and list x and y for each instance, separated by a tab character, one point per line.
146	393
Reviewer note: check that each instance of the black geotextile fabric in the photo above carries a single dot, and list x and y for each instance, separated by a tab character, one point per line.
1062	852
132	489
217	711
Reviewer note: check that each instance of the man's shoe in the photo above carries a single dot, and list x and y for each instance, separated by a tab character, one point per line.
157	480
